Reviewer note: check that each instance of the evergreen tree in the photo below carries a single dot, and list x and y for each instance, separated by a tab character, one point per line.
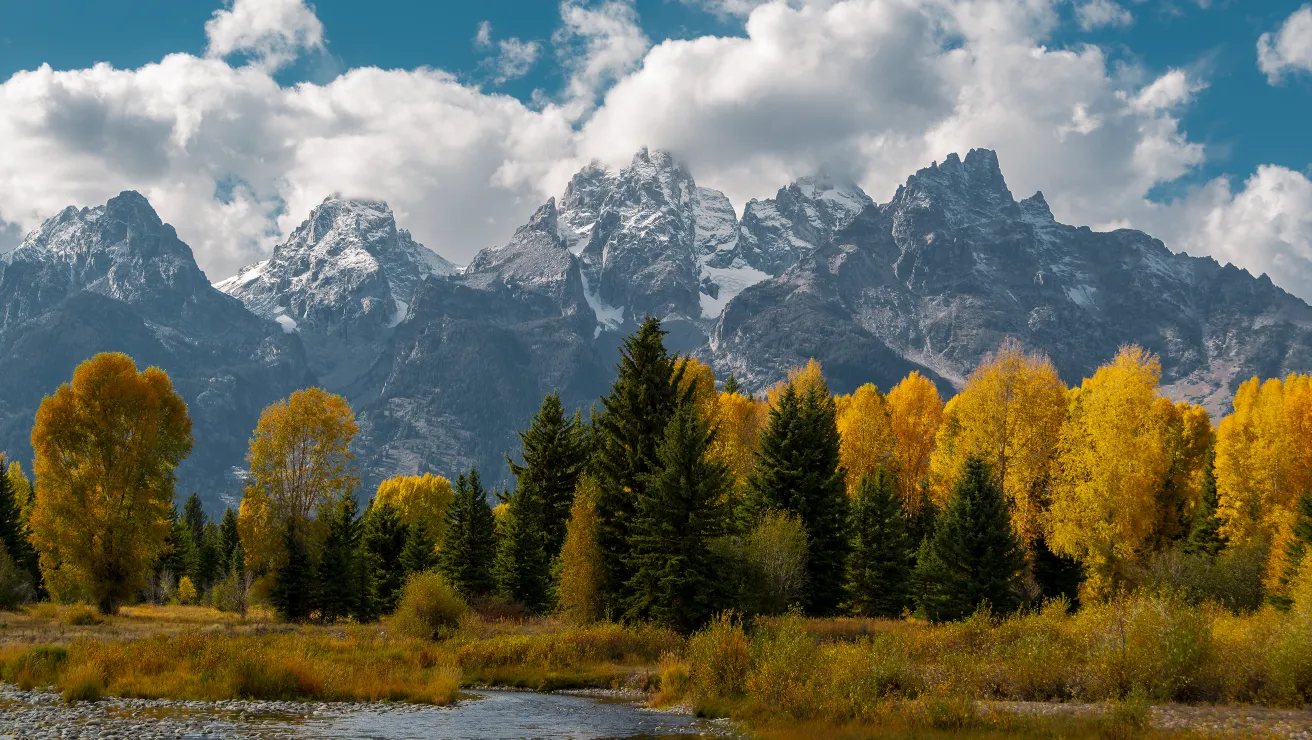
643	398
1056	575
1205	529
193	513
210	556
293	594
682	510
879	567
384	535
338	583
469	545
420	553
974	557
228	535
798	471
14	530
731	384
180	556
555	452
365	583
522	569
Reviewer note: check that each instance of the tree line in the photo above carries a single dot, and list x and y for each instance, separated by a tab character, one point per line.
680	497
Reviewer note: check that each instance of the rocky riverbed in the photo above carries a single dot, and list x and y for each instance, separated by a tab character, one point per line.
485	715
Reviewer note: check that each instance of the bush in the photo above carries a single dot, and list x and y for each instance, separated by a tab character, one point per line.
82	615
720	657
776	554
429	607
186	591
15	584
38	666
83	683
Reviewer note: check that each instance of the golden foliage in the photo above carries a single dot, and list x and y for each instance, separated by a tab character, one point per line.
1263	465
1113	464
106	447
916	412
802	379
578	595
1010	413
866	428
1187	437
22	488
418	498
186	590
299	461
698	376
740	420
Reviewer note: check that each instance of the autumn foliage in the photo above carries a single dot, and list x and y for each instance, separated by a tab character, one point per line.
106	446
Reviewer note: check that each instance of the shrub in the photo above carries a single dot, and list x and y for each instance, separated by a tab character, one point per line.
720	657
84	682
1126	720
15	584
776	554
429	607
37	666
82	615
186	591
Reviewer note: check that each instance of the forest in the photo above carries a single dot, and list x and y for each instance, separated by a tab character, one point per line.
681	503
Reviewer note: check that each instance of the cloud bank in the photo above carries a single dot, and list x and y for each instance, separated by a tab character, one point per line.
878	88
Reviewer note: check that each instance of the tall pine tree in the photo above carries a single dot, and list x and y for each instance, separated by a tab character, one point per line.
1205	529
555	452
293	592
384	536
642	400
974	557
229	535
798	471
14	531
522	568
180	557
420	551
469	545
193	513
879	568
681	510
338	593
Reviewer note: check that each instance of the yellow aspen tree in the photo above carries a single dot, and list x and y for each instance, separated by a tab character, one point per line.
1111	468
698	376
866	429
107	445
300	462
418	498
579	591
1263	466
915	413
739	421
1010	413
802	379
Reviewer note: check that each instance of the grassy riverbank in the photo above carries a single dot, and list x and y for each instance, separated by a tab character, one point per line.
784	677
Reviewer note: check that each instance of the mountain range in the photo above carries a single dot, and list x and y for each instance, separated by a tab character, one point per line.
443	363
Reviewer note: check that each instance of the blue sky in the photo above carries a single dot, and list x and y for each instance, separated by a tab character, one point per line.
1213	159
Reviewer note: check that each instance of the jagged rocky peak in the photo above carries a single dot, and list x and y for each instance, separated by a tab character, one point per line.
779	231
348	262
963	192
121	249
580	207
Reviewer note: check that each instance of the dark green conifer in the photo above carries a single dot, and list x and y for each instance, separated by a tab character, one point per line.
338	589
798	471
293	592
973	558
555	452
14	531
193	513
641	402
731	384
1204	536
210	556
420	553
469	543
228	534
384	535
676	575
1056	575
180	557
522	568
879	567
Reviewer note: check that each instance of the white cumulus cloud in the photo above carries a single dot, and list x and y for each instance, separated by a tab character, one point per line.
514	57
270	32
1095	14
1289	49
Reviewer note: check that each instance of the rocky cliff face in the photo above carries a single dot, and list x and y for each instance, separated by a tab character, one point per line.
444	365
116	278
953	264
